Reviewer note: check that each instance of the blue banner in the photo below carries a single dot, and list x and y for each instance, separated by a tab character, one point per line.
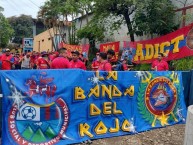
70	106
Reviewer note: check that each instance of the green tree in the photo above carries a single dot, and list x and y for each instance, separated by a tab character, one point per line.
93	31
6	31
23	27
154	17
117	12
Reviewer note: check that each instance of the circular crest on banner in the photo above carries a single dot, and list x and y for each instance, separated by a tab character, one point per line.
160	96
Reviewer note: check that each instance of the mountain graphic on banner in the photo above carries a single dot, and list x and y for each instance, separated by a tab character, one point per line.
39	135
28	133
50	133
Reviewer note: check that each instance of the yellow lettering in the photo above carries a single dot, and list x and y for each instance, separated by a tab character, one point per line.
162	46
130	91
94	91
79	94
176	41
116	92
106	90
139	52
126	126
84	130
94	110
107	107
156	50
98	76
101	128
113	75
149	51
116	129
115	111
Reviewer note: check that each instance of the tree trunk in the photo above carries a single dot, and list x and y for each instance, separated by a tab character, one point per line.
129	26
92	50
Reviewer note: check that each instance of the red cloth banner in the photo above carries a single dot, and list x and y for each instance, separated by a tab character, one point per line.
176	45
82	49
113	45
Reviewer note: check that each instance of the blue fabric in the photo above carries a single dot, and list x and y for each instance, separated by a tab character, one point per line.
54	105
189	85
186	79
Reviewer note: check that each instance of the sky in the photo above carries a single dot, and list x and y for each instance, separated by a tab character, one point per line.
18	7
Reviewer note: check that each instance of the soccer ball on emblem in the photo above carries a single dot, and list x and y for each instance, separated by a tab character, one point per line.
28	113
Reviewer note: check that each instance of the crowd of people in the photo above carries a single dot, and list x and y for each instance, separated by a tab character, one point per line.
60	60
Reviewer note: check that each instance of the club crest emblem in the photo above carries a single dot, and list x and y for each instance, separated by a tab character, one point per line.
160	101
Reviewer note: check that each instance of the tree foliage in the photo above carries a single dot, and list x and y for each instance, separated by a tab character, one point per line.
6	31
93	31
23	27
154	17
56	14
117	12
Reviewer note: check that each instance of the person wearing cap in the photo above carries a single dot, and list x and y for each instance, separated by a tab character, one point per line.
43	61
61	62
25	61
104	64
96	63
7	60
75	62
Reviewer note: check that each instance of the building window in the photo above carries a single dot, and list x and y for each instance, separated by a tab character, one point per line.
49	38
42	40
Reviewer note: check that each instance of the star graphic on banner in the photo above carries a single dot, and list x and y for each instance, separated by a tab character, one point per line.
94	79
139	74
179	113
132	127
16	96
163	119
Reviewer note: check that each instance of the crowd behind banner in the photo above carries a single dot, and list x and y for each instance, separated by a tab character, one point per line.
104	61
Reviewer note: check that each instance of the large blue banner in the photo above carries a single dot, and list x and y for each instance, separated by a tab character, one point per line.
70	106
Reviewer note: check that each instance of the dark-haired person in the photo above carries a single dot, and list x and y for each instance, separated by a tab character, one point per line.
96	63
75	62
17	61
160	64
7	60
104	64
43	61
25	61
61	62
111	57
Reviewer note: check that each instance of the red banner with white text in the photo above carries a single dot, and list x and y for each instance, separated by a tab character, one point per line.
176	45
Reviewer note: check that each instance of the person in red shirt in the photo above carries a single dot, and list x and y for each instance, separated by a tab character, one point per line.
17	61
53	55
61	62
160	64
43	62
104	64
96	63
75	62
7	60
33	60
